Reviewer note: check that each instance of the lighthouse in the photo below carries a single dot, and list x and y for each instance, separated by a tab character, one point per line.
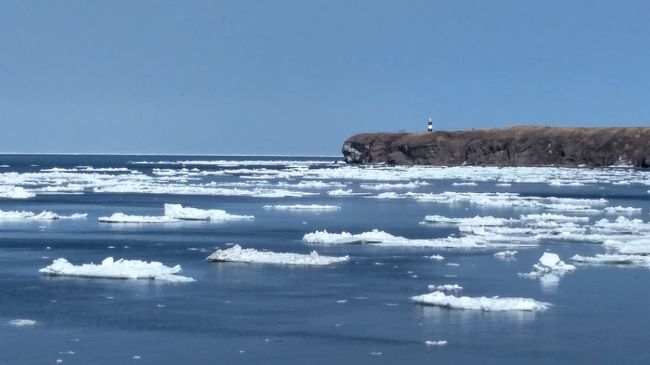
430	126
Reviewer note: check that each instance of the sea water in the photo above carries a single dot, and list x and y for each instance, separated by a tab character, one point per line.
354	312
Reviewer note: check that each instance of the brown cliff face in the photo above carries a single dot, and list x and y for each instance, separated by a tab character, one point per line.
514	146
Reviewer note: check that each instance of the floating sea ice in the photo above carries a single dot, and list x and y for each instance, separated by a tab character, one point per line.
23	322
464	183
386	239
120	269
304	207
15	192
613	259
436	257
44	215
177	211
553	217
126	218
505	254
622	210
630	247
374	236
622	225
472	221
389	186
446	287
441	299
388	195
249	255
549	263
435	343
341	192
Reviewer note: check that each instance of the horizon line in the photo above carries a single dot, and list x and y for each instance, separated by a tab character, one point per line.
166	154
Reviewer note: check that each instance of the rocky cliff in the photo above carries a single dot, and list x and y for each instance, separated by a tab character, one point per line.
514	146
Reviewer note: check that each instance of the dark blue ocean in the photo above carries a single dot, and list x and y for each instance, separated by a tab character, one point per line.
351	313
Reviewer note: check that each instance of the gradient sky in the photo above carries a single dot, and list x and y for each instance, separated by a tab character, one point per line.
299	77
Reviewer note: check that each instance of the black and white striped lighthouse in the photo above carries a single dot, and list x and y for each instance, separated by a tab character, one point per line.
430	126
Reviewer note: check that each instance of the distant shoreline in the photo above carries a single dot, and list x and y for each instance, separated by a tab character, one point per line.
513	146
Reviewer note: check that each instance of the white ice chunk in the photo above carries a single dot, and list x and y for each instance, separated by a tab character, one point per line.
177	211
446	287
472	221
505	254
304	207
23	322
435	343
386	239
441	299
622	210
44	215
15	192
549	263
126	218
613	259
120	269
347	192
249	255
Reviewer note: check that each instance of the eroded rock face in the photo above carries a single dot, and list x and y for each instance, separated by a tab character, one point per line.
514	146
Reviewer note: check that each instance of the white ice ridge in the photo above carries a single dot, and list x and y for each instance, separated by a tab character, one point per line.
549	263
619	259
15	192
382	238
177	211
249	255
44	215
126	218
304	207
486	304
120	269
472	221
446	287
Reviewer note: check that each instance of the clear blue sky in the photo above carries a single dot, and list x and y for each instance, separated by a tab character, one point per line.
301	76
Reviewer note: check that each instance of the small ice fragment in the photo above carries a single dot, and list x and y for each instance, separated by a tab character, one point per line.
446	287
505	254
23	322
435	343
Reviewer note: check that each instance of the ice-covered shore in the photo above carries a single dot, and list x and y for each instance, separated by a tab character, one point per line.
493	304
248	255
120	269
